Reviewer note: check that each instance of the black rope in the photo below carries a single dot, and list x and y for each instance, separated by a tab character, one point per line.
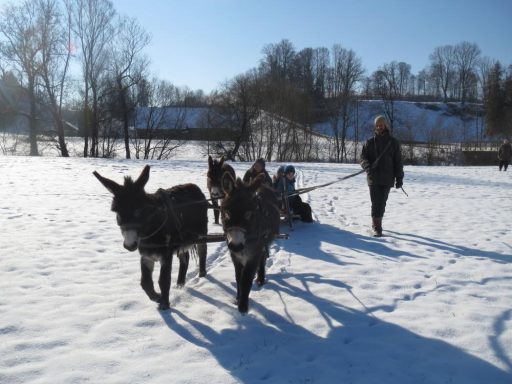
374	165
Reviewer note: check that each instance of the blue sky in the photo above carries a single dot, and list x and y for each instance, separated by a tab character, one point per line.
201	43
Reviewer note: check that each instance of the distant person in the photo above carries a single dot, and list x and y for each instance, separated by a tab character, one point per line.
297	206
257	168
504	154
381	158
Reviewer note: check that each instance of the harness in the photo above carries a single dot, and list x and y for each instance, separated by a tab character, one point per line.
168	208
166	218
261	232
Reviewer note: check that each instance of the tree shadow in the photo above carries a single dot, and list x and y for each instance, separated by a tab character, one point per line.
358	346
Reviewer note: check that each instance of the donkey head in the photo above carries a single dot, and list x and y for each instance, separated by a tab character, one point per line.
214	177
131	204
240	210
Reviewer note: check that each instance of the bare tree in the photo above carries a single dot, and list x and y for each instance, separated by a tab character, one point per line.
278	60
128	66
92	25
55	59
421	82
20	27
386	84
466	57
157	123
346	72
240	104
320	70
442	68
404	78
485	66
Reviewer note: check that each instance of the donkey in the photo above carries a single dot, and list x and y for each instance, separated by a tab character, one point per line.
158	225
250	219
216	168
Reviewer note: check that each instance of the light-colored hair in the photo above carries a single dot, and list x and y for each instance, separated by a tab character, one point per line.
381	119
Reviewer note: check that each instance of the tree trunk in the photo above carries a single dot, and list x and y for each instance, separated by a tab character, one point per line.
32	118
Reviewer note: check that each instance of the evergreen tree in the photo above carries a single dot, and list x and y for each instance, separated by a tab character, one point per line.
507	104
494	102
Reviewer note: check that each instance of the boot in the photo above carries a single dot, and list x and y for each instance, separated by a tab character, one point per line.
377	226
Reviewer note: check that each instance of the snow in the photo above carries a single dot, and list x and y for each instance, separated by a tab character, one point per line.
427	303
416	121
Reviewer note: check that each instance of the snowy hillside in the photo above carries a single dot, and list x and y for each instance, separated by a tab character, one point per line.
414	121
427	303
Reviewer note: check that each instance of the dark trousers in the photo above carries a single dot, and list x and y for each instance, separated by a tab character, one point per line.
503	164
298	207
379	196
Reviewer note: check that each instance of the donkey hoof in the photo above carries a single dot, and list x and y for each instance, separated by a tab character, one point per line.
202	274
156	297
243	310
163	307
260	282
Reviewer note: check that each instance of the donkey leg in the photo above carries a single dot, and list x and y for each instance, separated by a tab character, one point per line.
245	287
238	274
216	211
184	258
201	253
146	278
261	268
164	282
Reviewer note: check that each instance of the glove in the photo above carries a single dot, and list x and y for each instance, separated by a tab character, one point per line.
399	184
367	168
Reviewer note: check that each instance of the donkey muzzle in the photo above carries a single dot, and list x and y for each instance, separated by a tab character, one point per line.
130	239
216	193
235	238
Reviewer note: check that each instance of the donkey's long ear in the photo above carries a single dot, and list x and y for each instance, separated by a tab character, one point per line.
210	161
221	161
143	177
111	185
227	182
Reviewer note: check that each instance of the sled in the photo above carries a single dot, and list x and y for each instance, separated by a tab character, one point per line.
286	214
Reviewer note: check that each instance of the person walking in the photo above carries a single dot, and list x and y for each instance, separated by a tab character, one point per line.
381	158
504	154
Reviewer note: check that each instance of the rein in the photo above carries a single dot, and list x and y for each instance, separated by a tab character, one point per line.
374	165
166	218
168	210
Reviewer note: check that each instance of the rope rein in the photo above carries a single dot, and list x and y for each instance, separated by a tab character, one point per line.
166	218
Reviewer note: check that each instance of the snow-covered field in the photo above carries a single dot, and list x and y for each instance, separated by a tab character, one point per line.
428	303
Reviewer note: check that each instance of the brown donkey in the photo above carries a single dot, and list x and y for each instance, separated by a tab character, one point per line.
158	225
250	219
216	168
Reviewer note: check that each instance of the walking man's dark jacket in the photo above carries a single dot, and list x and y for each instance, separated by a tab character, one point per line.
389	169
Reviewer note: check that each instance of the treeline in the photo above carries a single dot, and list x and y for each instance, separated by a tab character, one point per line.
40	40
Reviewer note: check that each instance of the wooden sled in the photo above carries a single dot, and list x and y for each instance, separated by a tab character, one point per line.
287	216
